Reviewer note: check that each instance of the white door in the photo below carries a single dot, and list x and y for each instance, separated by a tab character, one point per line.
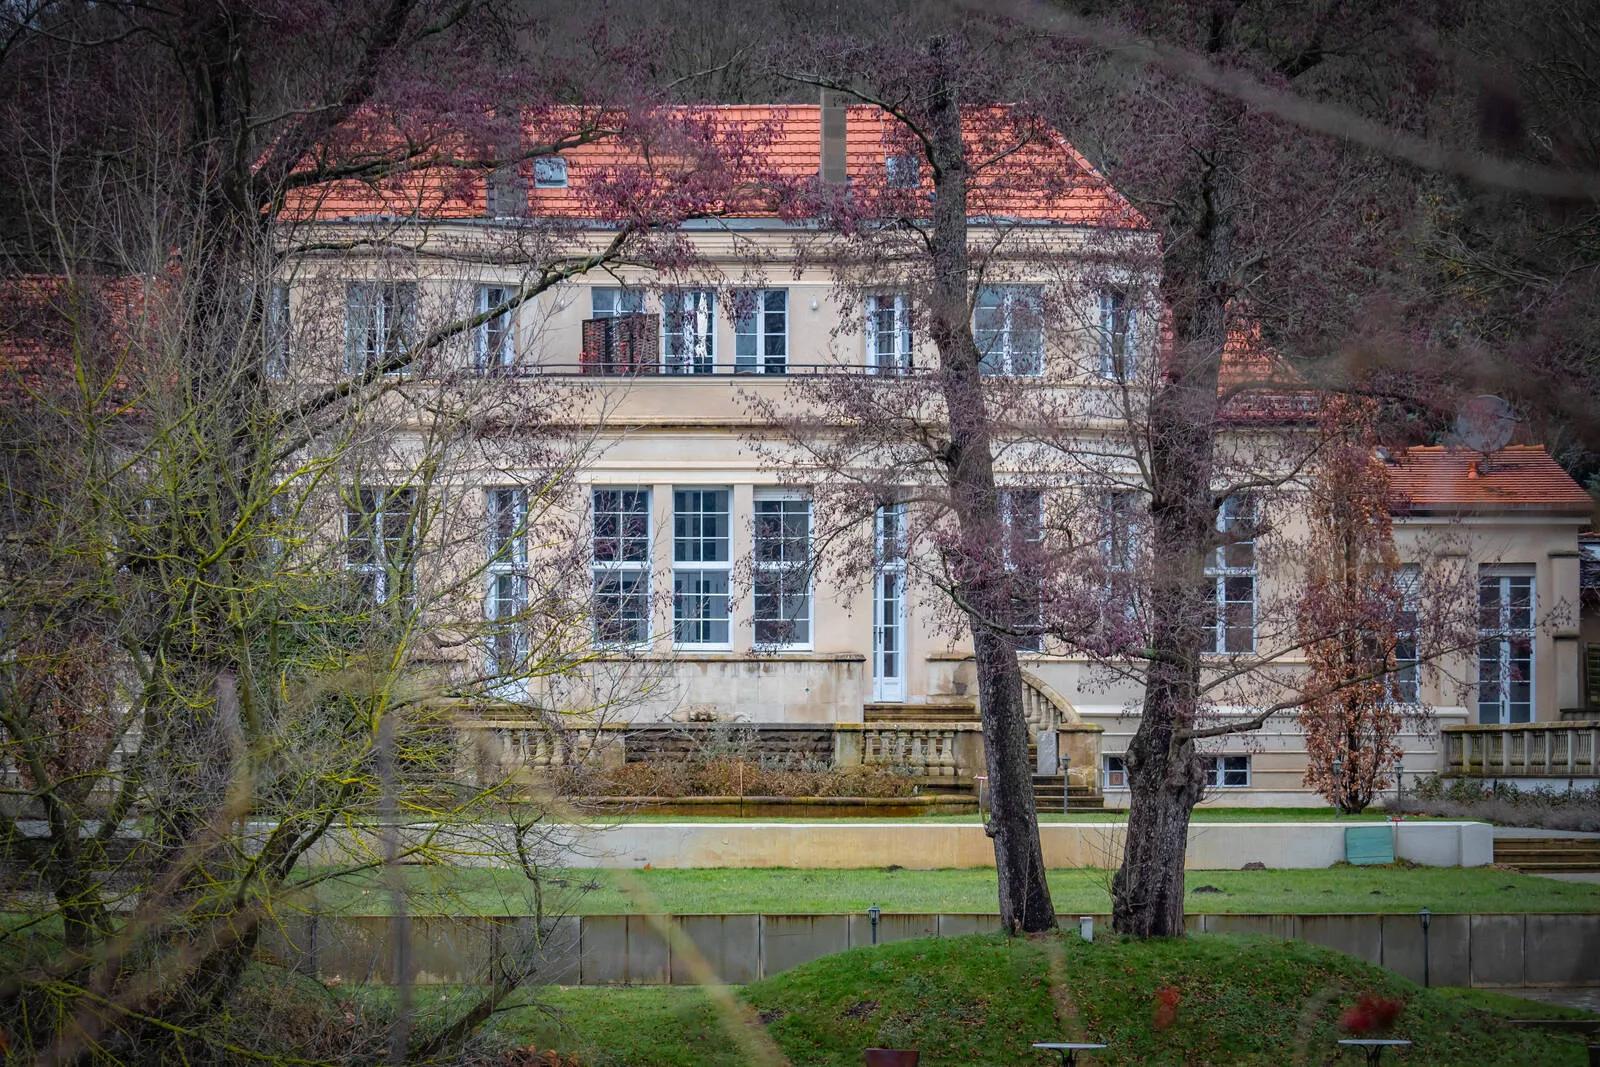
889	607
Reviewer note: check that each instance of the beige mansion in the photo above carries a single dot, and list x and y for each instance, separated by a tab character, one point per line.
700	552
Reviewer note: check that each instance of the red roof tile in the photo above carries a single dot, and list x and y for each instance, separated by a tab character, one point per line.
1046	180
1516	478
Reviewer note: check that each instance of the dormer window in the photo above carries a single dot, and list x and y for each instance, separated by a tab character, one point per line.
550	172
902	171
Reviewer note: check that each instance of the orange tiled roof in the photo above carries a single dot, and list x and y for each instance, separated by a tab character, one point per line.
1515	478
1047	180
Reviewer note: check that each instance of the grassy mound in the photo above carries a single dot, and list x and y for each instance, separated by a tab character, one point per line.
1204	1000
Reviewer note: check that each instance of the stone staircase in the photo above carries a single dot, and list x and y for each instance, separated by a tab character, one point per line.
1542	854
1047	791
934	711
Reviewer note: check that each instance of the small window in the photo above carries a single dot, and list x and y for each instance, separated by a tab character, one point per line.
889	338
378	324
493	337
902	171
1227	772
609	302
1008	326
1116	773
550	172
761	331
380	530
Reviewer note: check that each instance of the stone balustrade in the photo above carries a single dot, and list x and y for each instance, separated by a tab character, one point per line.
1523	750
924	750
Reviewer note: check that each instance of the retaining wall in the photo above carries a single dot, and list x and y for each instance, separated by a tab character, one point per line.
1462	950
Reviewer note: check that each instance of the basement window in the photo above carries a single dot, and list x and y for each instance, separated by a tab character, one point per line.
550	172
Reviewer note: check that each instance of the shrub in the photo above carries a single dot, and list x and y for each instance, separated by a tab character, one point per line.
1502	803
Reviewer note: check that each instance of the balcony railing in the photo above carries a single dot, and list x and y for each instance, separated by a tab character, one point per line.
1523	750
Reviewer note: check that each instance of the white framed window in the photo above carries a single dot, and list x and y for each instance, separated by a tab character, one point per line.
701	561
889	336
1114	772
1022	515
379	317
1232	570
1008	325
761	331
1505	644
1404	684
689	331
610	301
507	597
492	339
1118	360
902	170
1227	772
781	577
550	172
380	540
1119	546
620	565
276	364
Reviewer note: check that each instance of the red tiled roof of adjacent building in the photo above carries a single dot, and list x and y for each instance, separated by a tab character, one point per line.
1515	478
1044	180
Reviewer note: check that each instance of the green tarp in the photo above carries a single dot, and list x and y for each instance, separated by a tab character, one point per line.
1367	845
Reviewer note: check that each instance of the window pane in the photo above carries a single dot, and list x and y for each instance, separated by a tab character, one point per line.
621	607
700	607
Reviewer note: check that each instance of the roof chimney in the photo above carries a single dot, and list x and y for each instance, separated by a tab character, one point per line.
833	137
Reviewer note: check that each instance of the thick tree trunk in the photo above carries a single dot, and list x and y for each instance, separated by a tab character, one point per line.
1165	778
969	466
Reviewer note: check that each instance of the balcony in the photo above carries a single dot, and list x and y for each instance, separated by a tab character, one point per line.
1523	750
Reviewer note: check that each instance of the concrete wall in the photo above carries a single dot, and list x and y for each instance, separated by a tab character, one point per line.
925	846
1461	950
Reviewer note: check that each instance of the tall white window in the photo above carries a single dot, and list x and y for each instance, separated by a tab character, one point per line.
380	535
889	337
700	563
507	597
782	571
1505	644
1232	571
607	302
620	566
492	339
1022	514
761	331
278	332
1008	325
1119	549
689	331
1117	358
1405	683
377	327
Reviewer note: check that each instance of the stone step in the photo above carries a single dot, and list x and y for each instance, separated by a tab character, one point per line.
937	712
1574	866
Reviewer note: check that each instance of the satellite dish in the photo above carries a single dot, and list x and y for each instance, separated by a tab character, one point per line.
1485	423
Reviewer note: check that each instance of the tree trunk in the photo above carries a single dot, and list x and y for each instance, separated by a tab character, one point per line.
1025	904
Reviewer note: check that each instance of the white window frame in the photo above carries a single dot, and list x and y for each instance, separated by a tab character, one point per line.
902	170
890	545
1404	684
638	570
378	566
1112	768
492	295
507	547
368	342
686	567
1221	572
897	359
1217	772
766	569
689	345
1009	498
1111	303
1502	633
550	172
623	301
1004	362
755	325
278	329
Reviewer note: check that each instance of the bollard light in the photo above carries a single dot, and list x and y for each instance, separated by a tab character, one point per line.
1066	779
1427	971
1086	927
873	914
1399	779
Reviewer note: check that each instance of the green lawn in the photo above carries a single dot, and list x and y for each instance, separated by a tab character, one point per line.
984	1000
1200	815
781	890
